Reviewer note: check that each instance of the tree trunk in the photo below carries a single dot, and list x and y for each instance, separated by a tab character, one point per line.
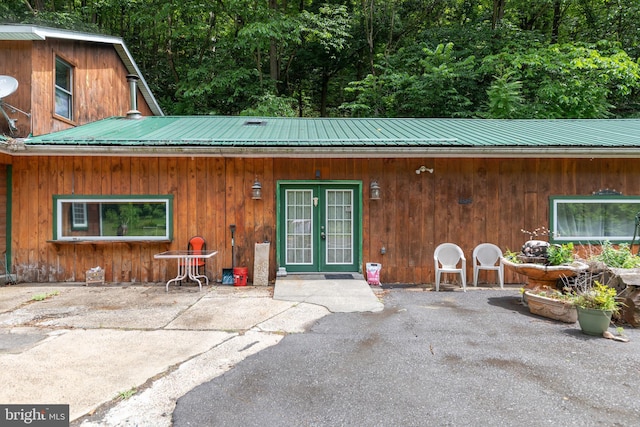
498	13
324	94
274	61
557	16
367	13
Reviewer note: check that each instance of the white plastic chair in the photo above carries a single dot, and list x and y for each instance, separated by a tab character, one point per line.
487	256
446	257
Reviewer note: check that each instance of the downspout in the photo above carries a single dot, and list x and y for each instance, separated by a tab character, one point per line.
9	214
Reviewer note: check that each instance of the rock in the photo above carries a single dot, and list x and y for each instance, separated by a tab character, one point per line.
610	336
631	308
535	248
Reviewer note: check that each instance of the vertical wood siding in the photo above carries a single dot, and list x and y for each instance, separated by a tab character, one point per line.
15	60
3	209
465	201
100	84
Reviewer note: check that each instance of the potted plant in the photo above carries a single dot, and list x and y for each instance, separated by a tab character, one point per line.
618	267
595	306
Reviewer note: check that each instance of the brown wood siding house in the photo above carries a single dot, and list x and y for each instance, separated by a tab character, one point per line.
99	69
490	180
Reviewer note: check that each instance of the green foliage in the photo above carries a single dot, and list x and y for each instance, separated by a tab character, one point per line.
328	28
620	257
390	58
259	34
560	254
272	106
556	295
566	81
511	256
416	83
124	395
42	297
600	297
505	98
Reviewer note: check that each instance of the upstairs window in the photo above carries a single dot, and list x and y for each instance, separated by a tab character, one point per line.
79	216
64	89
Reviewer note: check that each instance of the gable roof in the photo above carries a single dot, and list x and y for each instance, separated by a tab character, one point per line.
351	138
30	32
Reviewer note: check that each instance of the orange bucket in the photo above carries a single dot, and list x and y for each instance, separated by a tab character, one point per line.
240	276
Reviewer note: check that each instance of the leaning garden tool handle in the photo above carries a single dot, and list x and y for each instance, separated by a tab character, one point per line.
232	227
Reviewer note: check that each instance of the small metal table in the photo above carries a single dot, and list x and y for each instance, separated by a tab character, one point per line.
187	265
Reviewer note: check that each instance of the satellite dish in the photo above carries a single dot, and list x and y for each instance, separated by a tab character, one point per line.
8	85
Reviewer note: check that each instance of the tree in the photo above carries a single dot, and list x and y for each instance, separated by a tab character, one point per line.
372	57
566	81
418	82
505	98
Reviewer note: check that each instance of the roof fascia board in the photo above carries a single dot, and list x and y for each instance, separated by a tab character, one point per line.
333	152
33	32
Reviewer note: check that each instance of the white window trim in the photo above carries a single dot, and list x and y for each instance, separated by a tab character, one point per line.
68	92
557	235
79	216
59	212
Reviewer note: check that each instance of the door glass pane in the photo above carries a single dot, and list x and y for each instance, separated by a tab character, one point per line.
299	220
339	227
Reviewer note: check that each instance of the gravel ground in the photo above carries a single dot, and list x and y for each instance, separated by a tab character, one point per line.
437	359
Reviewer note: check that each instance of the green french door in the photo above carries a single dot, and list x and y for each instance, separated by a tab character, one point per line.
319	226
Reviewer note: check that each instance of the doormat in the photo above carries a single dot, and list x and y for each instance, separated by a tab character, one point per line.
338	276
400	286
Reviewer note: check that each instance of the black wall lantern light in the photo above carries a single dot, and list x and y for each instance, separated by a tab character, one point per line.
374	190
256	190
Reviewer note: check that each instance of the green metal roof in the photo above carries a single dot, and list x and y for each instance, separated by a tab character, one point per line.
236	135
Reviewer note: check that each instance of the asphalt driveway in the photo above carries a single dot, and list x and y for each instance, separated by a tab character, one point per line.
443	359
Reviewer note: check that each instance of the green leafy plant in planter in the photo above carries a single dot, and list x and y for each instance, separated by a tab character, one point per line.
534	263
620	257
511	256
599	297
617	265
555	255
560	254
557	295
596	305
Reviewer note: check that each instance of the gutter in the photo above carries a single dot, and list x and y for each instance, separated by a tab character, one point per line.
21	149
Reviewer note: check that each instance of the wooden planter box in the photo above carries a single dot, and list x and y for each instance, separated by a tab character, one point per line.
95	277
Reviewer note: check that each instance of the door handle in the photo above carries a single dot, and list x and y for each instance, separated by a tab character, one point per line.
322	235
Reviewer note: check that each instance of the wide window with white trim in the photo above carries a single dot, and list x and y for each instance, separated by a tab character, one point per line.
116	218
594	219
